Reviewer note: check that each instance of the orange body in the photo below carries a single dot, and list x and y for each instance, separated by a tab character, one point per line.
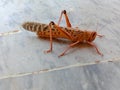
42	30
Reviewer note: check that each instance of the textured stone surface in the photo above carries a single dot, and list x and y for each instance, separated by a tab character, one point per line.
24	66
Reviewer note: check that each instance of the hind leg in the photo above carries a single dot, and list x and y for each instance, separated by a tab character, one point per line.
51	25
64	12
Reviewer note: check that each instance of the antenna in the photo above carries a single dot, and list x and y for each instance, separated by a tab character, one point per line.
97	30
97	27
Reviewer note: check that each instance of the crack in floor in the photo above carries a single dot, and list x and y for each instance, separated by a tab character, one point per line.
10	32
58	68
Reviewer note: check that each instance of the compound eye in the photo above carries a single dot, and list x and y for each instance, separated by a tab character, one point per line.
94	34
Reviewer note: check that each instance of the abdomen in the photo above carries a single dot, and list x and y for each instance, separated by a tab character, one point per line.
42	30
35	27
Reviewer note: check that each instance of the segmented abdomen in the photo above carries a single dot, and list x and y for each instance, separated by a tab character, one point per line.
35	27
42	30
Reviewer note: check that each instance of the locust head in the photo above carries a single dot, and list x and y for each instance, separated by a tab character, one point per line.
92	36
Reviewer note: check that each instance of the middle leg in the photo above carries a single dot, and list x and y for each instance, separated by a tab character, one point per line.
50	27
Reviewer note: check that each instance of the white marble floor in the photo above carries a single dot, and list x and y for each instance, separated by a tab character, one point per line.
24	66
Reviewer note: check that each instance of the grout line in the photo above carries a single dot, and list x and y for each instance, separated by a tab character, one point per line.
58	68
10	32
